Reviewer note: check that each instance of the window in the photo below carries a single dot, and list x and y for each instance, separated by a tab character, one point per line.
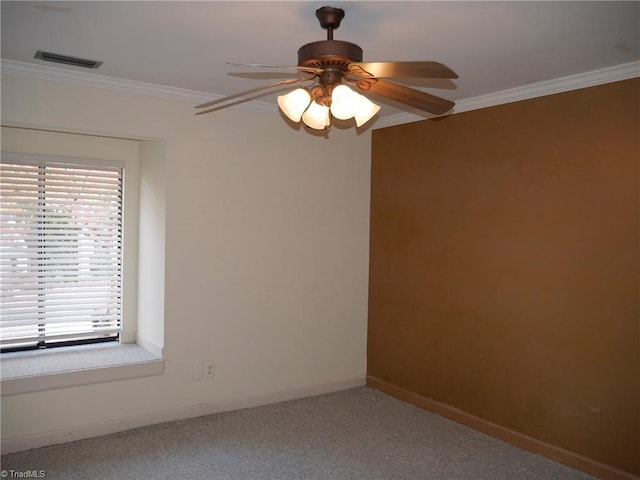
139	351
61	251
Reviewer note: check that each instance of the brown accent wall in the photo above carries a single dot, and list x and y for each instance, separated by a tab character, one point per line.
505	262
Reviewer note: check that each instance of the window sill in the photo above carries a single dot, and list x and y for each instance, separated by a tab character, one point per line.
37	370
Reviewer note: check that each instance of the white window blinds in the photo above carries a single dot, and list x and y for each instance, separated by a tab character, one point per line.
60	251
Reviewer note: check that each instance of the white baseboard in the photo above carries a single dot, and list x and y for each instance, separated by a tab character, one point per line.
41	439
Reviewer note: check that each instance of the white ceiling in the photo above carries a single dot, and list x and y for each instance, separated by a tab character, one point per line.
493	46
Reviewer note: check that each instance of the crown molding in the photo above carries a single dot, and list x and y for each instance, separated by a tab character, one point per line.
85	79
616	73
548	87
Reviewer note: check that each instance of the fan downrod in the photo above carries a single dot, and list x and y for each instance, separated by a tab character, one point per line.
331	56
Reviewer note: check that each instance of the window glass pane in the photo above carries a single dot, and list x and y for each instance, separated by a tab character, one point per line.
60	253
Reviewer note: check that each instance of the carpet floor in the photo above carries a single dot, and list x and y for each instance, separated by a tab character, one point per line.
359	433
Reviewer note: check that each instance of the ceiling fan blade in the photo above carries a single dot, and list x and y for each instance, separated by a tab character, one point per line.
402	70
272	76
248	92
409	96
268	65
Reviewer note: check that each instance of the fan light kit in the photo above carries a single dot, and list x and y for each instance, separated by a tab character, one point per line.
314	107
331	63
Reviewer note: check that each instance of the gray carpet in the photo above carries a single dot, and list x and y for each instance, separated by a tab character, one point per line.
354	434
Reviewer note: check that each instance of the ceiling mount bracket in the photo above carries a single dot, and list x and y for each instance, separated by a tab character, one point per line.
330	19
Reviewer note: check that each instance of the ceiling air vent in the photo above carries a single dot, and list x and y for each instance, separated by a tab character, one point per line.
75	61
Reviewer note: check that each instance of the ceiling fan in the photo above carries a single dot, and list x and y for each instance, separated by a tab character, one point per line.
330	64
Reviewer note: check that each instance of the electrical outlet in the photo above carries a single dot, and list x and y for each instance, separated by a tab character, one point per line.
595	418
209	369
197	371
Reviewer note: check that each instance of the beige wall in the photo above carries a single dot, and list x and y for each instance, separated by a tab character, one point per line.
504	266
266	264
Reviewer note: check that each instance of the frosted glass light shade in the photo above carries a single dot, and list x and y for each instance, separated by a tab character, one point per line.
316	116
366	111
293	104
344	102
